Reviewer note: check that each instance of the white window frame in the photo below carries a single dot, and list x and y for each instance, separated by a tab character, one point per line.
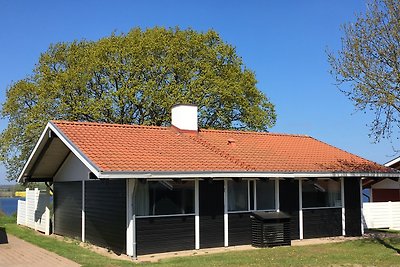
276	189
176	214
322	207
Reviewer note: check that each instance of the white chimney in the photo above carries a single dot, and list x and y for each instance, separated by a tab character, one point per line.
184	117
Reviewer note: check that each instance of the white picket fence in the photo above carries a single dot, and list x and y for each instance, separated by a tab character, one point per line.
382	215
34	212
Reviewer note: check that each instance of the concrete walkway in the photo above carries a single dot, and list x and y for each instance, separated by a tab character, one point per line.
18	253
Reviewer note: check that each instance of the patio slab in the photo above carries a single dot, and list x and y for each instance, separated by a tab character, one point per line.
15	252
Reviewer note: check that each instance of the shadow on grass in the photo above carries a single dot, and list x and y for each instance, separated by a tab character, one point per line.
3	236
387	245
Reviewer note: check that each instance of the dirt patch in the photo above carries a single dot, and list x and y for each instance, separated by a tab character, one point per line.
326	240
381	234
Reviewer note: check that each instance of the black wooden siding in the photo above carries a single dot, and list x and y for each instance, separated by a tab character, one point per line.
105	214
239	225
165	234
352	205
212	231
68	209
289	203
211	211
322	222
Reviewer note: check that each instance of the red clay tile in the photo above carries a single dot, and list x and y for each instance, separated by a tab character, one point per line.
116	147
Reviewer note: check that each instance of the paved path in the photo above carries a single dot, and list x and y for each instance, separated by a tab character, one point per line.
18	253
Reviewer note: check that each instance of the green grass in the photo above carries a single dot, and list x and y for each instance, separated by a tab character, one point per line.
364	252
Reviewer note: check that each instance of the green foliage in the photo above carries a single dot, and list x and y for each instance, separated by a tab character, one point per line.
369	63
132	78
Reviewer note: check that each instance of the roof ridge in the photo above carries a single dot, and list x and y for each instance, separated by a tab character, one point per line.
197	138
253	132
107	124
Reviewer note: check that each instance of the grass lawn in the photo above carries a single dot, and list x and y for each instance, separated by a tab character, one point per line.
365	252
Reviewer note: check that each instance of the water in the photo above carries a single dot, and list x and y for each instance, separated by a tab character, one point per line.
9	204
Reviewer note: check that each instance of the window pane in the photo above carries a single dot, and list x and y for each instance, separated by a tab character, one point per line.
265	195
237	196
321	193
164	198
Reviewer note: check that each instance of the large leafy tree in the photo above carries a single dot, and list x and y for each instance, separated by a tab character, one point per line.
132	78
367	67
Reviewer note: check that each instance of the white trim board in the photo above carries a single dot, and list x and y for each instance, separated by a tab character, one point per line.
79	154
188	175
392	162
76	151
39	143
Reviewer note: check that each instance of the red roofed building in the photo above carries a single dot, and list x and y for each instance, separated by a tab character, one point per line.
385	189
144	189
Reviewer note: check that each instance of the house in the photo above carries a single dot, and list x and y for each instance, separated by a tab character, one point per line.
145	189
388	189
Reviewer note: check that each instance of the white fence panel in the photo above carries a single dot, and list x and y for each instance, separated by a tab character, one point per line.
21	215
396	215
382	215
31	204
34	211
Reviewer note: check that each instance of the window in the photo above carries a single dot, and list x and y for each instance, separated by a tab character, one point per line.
265	193
164	198
237	196
321	193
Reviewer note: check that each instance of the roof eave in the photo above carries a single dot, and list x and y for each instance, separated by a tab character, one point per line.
228	174
39	145
392	162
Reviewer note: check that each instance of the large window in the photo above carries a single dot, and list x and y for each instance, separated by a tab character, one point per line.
262	199
265	193
321	193
237	196
164	198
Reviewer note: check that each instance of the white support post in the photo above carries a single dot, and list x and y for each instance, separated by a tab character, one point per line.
301	209
277	207
361	206
226	217
83	211
47	212
255	194
343	208
26	206
248	195
197	217
130	218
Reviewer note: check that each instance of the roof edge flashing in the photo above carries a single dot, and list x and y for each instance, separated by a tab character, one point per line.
248	175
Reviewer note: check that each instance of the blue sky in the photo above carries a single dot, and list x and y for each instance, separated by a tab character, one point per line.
283	42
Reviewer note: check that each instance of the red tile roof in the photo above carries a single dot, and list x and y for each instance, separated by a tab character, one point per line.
116	147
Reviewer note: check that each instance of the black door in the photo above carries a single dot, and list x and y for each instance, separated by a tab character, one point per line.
211	211
289	203
352	206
